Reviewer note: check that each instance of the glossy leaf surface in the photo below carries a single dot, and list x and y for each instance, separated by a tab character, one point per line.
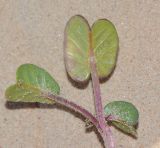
123	111
32	84
102	38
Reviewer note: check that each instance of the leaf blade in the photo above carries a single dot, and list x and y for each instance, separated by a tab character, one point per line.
32	84
17	93
105	46
76	50
123	111
124	116
33	75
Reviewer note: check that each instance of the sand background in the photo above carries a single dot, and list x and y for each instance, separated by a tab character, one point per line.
32	31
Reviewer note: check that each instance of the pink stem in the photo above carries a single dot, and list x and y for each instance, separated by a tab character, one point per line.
106	132
82	111
75	107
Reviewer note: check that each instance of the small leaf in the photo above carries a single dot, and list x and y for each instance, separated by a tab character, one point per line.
124	116
32	84
125	127
123	111
80	39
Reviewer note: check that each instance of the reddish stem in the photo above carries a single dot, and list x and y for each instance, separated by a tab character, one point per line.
74	107
106	132
86	114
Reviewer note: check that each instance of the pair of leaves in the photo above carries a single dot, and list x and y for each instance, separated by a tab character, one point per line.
125	116
80	39
33	83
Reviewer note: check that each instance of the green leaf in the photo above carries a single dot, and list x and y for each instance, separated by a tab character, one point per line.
80	39
125	127
33	84
105	46
124	116
77	48
123	111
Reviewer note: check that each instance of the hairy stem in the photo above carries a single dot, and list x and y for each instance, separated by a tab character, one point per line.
106	132
85	113
75	107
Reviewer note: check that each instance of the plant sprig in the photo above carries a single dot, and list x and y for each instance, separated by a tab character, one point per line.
89	53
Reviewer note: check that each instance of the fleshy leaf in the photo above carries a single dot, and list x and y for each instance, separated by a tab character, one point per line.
125	127
105	46
123	111
32	84
77	48
102	38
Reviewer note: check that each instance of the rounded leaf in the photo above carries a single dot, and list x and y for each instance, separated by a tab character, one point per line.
33	85
76	50
123	111
105	46
33	75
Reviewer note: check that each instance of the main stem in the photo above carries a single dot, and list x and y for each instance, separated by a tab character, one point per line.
98	122
106	132
81	110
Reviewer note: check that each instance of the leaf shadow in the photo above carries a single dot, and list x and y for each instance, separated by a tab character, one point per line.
93	128
23	105
77	84
103	80
20	105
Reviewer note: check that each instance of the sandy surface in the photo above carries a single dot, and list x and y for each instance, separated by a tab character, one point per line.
32	31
